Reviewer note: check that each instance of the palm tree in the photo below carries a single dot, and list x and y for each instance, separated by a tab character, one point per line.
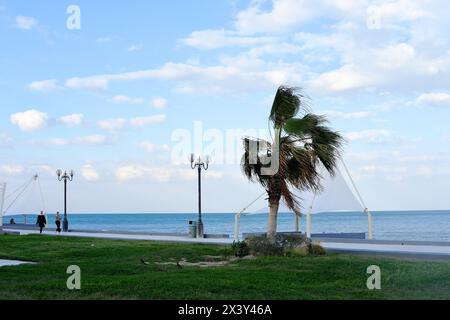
301	144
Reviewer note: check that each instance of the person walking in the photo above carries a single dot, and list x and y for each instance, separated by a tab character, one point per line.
41	221
58	222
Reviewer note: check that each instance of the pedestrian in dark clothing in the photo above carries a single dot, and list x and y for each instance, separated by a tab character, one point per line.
41	221
58	222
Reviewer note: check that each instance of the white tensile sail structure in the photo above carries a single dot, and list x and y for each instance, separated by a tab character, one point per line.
339	194
2	202
28	198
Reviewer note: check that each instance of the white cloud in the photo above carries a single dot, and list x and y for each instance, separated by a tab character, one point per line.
145	121
325	44
232	74
348	77
160	103
94	139
283	15
402	10
435	99
362	59
151	147
410	52
214	39
424	171
135	47
89	173
214	175
395	56
136	172
398	173
126	173
276	48
371	136
45	85
122	99
84	140
347	115
158	173
97	83
396	156
72	120
120	123
165	148
420	158
112	124
390	173
44	168
59	141
382	67
12	169
25	23
29	169
30	120
147	146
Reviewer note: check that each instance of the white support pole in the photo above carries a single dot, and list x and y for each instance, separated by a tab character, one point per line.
296	221
308	218
308	224
2	202
369	223
237	220
237	217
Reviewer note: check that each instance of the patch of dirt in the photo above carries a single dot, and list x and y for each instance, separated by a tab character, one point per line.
210	261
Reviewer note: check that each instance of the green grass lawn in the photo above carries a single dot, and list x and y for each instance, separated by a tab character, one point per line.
112	270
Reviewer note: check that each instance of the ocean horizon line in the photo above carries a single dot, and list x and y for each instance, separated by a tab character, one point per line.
230	213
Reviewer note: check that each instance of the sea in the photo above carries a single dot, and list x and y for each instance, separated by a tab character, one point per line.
387	225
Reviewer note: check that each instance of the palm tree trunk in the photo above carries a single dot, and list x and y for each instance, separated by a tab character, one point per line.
273	214
274	193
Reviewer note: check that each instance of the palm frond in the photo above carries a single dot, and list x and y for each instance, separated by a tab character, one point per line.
290	199
286	105
251	164
305	125
317	136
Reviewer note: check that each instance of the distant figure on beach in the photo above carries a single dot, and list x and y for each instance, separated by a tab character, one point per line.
12	221
41	221
58	222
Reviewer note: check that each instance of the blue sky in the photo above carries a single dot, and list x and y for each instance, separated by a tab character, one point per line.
108	100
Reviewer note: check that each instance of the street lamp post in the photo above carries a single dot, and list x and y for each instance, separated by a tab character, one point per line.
199	165
65	177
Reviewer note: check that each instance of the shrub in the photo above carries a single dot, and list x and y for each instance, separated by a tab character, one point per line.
282	245
302	251
240	249
291	241
316	250
262	246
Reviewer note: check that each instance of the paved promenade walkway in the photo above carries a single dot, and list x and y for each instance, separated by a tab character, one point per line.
423	251
7	263
125	236
416	249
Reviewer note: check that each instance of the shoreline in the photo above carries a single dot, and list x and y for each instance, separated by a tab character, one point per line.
234	213
413	226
